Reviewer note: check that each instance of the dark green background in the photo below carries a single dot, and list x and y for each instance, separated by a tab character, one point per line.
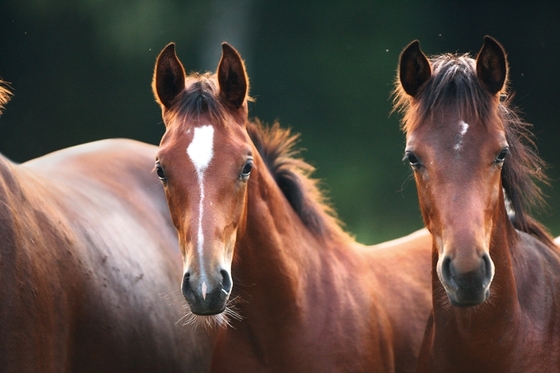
81	70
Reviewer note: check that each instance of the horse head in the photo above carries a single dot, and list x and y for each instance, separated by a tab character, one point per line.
204	163
457	144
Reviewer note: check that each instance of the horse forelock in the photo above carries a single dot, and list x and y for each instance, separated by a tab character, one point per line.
277	147
454	84
200	97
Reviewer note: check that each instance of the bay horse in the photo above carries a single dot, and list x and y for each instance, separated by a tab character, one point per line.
495	270
89	261
306	296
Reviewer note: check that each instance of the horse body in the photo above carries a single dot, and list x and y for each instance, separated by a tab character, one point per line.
317	305
495	273
87	257
307	297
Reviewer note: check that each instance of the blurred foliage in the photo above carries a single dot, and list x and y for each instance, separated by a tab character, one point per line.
81	70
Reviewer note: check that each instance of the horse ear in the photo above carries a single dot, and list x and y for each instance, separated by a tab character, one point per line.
414	68
491	65
232	77
169	76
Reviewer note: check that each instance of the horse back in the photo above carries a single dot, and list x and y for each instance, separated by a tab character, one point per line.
403	268
90	266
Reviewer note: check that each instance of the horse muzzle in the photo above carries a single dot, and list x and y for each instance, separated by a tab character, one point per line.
207	295
467	288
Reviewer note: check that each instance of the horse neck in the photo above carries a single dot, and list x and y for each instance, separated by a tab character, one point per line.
282	274
278	260
276	248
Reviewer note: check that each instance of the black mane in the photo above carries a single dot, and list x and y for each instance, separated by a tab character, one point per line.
292	175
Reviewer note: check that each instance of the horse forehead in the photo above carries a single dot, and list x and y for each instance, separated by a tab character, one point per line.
215	145
437	137
200	149
456	135
202	144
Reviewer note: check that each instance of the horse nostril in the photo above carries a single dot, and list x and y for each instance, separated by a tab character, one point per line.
226	281
186	286
445	267
488	275
447	272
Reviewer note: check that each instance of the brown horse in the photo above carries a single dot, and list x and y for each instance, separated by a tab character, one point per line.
88	263
496	271
307	297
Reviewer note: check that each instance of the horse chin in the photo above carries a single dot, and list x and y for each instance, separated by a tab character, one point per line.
207	321
207	312
467	299
207	308
220	319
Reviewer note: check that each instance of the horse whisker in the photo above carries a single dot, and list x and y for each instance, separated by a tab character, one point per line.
221	320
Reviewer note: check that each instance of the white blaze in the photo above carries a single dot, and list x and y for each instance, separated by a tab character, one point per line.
201	151
463	127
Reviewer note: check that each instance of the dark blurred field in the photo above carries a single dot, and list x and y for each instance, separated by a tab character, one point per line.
81	70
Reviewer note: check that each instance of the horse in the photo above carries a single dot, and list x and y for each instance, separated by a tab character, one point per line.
307	297
89	261
495	269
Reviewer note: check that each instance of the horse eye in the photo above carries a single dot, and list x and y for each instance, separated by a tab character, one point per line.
411	158
244	176
501	157
160	172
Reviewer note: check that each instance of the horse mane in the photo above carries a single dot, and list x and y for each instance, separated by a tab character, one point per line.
454	82
292	174
521	172
5	94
